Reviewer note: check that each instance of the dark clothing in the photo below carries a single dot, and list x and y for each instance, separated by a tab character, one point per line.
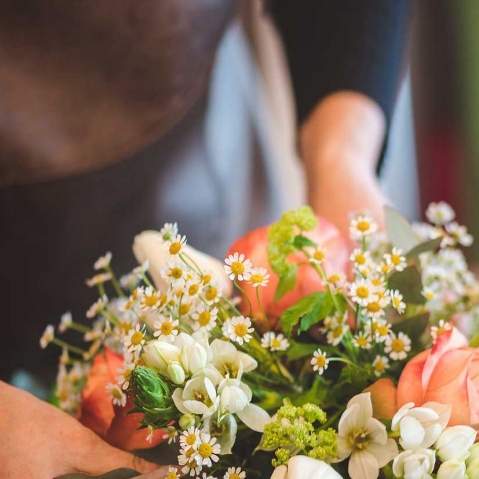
52	232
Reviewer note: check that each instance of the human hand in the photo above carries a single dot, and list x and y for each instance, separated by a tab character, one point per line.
340	144
38	440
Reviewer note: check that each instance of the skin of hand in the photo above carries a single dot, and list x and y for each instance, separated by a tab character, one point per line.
340	143
38	440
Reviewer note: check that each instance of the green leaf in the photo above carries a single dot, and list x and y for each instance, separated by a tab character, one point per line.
399	230
409	284
301	241
121	473
300	350
316	394
320	311
414	327
304	306
430	245
287	281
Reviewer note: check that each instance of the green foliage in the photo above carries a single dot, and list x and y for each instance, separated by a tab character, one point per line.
400	232
425	247
287	281
409	284
122	473
310	309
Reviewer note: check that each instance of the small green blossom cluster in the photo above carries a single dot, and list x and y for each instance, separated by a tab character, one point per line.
296	430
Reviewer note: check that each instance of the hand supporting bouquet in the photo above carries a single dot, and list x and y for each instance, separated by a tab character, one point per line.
330	359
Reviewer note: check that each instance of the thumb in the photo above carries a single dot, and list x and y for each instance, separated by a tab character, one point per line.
100	458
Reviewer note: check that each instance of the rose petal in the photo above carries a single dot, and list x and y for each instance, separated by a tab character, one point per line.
383	398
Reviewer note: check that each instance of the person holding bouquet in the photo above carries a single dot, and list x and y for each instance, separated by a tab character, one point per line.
109	112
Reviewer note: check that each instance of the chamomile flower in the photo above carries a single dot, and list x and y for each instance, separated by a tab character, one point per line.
361	226
174	272
65	322
362	291
98	279
135	339
208	450
274	342
440	213
166	328
397	346
459	234
125	375
234	473
237	266
189	463
380	364
117	396
96	307
337	330
319	361
238	328
362	341
205	317
176	244
336	282
149	298
428	293
318	255
441	328
374	308
47	336
170	434
213	291
396	300
190	437
380	329
360	258
192	287
173	473
103	261
396	259
169	230
259	277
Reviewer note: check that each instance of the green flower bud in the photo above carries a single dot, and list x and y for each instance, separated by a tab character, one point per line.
152	396
186	421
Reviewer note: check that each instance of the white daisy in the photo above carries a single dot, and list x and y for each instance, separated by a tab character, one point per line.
173	473
362	340
166	328
125	375
441	328
375	306
205	317
176	244
380	329
396	259
207	450
174	272
318	255
459	234
336	282
396	300
117	396
336	331
360	258
192	287
135	339
259	277
238	328
169	231
149	298
361	291
234	473
213	291
380	364
189	463
103	261
397	347
171	433
237	266
319	361
65	322
440	213
48	336
361	226
271	340
190	437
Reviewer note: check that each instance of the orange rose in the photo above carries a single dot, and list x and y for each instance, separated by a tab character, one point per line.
253	246
108	421
449	374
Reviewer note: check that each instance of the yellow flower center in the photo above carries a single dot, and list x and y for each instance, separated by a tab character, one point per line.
150	301
205	450
172	475
397	345
206	278
337	331
373	307
380	366
362	291
234	476
175	247
211	294
334	278
185	308
124	327
360	258
193	289
359	438
275	343
385	268
396	302
127	374
203	397
363	226
377	282
116	393
320	361
189	453
204	318
362	341
318	255
136	338
257	278
396	259
176	273
64	395
166	328
429	295
383	330
241	330
237	267
191	439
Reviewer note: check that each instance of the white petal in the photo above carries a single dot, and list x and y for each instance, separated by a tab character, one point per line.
254	417
349	419
178	400
305	467
363	465
377	431
383	452
363	400
280	473
412	433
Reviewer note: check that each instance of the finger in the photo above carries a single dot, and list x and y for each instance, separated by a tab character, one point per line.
160	473
99	457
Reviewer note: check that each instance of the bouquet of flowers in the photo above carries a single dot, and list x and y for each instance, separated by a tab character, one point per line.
337	361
